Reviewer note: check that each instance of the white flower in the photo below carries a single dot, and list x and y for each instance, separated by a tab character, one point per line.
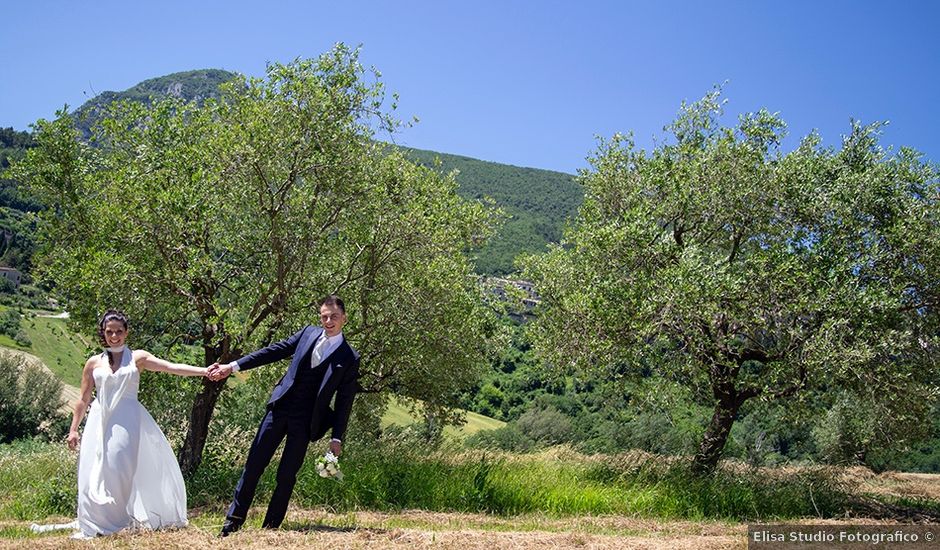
328	466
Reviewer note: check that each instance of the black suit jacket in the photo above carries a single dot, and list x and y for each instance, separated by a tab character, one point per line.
341	378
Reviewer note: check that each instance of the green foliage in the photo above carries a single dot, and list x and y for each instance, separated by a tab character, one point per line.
508	438
661	417
26	297
766	435
13	146
17	225
592	415
9	322
514	380
12	139
30	399
722	264
853	431
547	426
923	456
223	222
162	394
537	203
22	339
17	239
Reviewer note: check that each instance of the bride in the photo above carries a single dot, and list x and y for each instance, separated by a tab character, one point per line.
128	476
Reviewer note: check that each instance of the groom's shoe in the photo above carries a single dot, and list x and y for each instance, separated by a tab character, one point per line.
230	526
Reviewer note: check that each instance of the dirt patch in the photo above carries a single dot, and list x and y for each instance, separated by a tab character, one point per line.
418	529
906	485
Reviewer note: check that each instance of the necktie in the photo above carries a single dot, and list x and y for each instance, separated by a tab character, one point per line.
318	350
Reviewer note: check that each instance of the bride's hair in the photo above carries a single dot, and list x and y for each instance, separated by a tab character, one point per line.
110	315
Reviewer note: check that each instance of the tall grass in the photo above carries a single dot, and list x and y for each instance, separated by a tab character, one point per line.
39	481
395	475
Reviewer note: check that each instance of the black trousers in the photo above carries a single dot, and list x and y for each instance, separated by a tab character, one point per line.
279	421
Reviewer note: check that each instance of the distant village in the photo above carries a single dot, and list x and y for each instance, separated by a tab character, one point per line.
512	289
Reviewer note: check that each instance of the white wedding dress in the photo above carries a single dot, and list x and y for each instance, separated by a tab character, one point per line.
128	476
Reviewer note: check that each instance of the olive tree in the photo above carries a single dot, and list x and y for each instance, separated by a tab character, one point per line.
720	262
221	224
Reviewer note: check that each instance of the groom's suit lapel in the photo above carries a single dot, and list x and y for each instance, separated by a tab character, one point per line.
304	347
336	362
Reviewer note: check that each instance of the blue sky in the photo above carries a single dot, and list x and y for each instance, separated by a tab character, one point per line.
521	82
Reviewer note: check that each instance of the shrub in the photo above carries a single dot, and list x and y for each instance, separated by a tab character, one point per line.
22	339
508	438
7	286
30	398
863	432
546	425
9	322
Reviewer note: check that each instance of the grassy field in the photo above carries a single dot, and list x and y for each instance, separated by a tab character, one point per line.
60	349
398	495
399	415
7	342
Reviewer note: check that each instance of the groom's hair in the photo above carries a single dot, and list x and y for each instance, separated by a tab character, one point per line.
333	300
110	315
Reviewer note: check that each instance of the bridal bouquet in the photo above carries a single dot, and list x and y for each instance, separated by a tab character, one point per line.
328	466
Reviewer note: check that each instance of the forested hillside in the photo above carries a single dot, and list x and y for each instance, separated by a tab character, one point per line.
16	228
536	201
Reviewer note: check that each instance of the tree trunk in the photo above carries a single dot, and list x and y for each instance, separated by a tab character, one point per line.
716	435
191	453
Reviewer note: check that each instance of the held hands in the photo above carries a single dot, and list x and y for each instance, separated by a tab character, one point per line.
218	372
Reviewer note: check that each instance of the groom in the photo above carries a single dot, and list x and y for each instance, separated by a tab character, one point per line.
323	364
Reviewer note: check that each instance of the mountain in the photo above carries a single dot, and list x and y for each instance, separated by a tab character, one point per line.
188	85
536	201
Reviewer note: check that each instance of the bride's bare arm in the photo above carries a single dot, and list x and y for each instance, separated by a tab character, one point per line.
84	398
147	361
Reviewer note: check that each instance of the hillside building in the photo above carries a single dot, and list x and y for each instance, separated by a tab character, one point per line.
11	275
